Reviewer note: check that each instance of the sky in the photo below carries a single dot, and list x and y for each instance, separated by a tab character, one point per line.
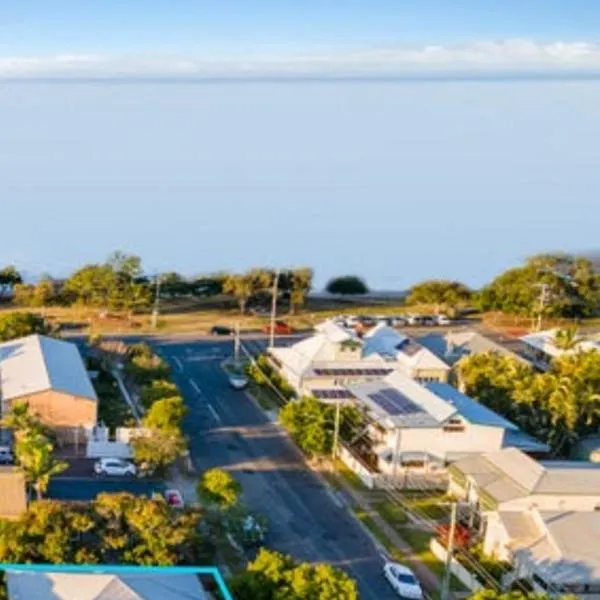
396	140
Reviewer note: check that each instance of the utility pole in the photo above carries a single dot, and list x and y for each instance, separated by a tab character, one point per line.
336	429
445	593
274	309
396	456
156	301
543	300
236	343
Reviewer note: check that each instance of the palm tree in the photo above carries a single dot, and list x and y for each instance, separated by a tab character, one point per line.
241	287
566	339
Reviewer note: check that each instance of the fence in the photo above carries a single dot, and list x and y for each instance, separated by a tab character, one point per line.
102	444
463	575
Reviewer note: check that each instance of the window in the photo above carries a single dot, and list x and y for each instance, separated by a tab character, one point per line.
454	426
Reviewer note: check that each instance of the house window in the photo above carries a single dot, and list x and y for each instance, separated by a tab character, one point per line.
454	426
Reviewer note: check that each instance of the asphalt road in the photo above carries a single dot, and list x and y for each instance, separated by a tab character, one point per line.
226	429
85	488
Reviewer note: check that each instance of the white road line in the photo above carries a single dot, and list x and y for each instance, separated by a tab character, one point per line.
178	363
214	413
195	386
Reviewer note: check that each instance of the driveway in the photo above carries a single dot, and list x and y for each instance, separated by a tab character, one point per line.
227	430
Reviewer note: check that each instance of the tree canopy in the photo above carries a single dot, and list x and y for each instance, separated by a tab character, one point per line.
440	292
9	277
20	324
276	576
219	488
347	285
572	288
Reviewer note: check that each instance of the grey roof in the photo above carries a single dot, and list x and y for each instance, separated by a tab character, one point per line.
13	498
509	474
469	409
37	363
27	585
453	346
561	547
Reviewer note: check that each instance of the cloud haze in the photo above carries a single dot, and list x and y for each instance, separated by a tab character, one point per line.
485	56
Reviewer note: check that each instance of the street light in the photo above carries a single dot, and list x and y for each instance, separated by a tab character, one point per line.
156	302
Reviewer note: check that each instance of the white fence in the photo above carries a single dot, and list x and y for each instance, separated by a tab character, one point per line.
108	450
465	577
368	477
100	444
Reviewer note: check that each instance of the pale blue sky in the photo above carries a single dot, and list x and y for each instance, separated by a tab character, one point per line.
394	180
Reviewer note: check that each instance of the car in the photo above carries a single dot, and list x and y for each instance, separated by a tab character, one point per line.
238	382
443	320
6	456
403	580
174	498
428	321
114	467
281	328
221	330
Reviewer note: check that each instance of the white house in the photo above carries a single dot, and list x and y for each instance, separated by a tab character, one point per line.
417	423
323	364
543	517
541	348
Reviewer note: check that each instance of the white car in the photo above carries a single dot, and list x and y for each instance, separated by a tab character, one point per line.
114	466
443	320
238	382
403	580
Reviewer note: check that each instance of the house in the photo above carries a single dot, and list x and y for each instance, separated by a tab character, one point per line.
415	423
323	364
540	347
48	585
49	375
13	495
543	517
453	346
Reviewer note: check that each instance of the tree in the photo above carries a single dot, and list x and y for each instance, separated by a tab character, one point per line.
219	488
128	265
347	285
493	594
9	277
156	390
439	292
566	339
165	414
156	449
241	287
19	324
275	576
92	285
301	282
21	421
34	453
311	423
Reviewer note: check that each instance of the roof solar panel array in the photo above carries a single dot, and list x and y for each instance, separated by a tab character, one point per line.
394	402
352	372
332	394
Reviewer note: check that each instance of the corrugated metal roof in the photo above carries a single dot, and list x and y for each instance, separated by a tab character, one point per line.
520	467
544	341
470	409
37	363
569	477
25	585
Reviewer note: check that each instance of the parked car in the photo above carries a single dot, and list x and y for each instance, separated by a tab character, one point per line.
281	328
6	456
443	320
429	320
174	498
238	382
221	330
403	580
114	467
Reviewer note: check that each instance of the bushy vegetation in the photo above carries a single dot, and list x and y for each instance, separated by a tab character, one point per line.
113	411
113	529
490	594
558	406
262	373
311	423
347	285
20	324
441	293
218	487
275	576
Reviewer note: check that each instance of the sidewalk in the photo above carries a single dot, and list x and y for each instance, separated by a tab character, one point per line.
427	577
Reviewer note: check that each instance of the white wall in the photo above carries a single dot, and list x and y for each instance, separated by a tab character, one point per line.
496	539
552	502
439	443
108	450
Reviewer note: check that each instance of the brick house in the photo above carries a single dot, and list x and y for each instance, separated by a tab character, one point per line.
49	375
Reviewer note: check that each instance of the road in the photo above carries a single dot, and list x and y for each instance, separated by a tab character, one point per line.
226	429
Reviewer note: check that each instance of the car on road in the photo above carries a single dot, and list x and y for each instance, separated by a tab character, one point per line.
6	456
221	330
443	320
403	580
281	328
174	498
114	467
238	381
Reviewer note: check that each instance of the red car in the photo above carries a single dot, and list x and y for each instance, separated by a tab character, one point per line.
281	328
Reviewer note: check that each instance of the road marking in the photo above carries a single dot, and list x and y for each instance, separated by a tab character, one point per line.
214	414
195	386
178	363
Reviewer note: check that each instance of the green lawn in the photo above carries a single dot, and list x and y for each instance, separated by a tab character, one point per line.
383	539
351	478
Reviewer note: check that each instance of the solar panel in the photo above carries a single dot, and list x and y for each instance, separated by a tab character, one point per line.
394	403
351	372
332	394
